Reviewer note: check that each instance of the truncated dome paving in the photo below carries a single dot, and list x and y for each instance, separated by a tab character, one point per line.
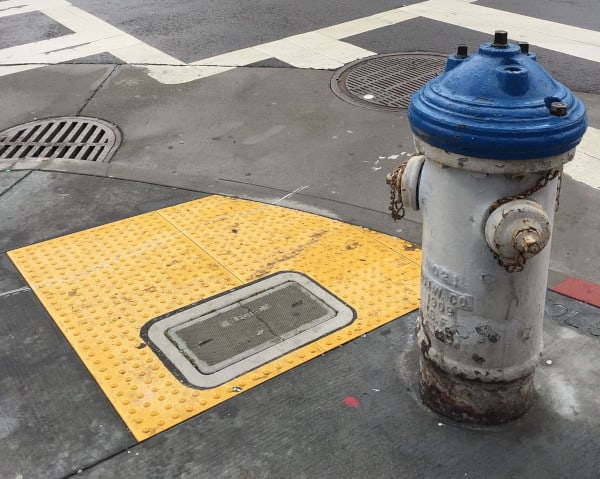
179	309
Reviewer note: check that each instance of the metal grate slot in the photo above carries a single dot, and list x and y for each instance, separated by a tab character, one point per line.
73	138
30	133
386	82
23	153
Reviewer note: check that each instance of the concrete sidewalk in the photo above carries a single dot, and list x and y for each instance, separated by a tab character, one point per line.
279	137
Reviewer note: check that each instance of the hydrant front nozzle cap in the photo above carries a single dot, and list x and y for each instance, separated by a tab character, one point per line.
497	104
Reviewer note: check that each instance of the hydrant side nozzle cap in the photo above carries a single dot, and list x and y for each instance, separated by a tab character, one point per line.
497	104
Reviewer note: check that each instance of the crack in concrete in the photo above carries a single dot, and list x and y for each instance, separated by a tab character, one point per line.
102	83
2	193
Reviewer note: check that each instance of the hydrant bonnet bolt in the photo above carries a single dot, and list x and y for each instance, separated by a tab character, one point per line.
558	108
500	39
462	51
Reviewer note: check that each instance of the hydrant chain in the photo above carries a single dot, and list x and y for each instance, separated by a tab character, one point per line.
541	183
515	267
396	204
518	263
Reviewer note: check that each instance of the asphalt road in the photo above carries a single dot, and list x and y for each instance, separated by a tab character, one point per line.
190	31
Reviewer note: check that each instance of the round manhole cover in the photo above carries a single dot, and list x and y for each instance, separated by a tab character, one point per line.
386	82
65	137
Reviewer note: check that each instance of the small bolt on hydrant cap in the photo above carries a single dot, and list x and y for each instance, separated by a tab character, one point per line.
462	51
500	39
558	108
524	46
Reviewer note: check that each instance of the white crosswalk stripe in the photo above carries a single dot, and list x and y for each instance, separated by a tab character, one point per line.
575	41
15	7
92	36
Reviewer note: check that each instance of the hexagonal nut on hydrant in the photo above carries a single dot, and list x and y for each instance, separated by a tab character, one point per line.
518	228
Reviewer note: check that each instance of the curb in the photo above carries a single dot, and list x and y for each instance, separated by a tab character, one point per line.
580	290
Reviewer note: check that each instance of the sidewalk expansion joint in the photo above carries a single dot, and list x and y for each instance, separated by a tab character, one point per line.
2	193
96	90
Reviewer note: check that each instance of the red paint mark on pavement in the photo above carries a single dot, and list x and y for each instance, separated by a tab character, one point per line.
351	401
580	290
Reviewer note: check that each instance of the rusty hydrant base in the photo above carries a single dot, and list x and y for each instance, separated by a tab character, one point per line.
480	402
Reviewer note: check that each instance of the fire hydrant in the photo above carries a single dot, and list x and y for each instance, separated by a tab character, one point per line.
492	134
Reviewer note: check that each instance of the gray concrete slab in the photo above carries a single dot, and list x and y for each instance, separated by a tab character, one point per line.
262	133
297	425
46	204
575	245
254	130
54	420
9	278
9	178
54	91
277	128
409	228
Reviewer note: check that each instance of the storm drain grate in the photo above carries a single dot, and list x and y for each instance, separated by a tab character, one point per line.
67	137
386	82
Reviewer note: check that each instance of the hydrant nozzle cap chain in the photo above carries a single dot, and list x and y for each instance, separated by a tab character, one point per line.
499	92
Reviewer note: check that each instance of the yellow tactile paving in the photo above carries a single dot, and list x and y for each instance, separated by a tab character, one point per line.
102	285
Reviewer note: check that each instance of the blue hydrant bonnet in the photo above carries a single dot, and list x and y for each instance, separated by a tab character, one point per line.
498	103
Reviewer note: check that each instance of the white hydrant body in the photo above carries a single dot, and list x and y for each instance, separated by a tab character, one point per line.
478	322
488	196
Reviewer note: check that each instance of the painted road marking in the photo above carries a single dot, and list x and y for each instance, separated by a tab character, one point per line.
102	286
91	36
314	50
559	37
15	7
580	290
567	39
